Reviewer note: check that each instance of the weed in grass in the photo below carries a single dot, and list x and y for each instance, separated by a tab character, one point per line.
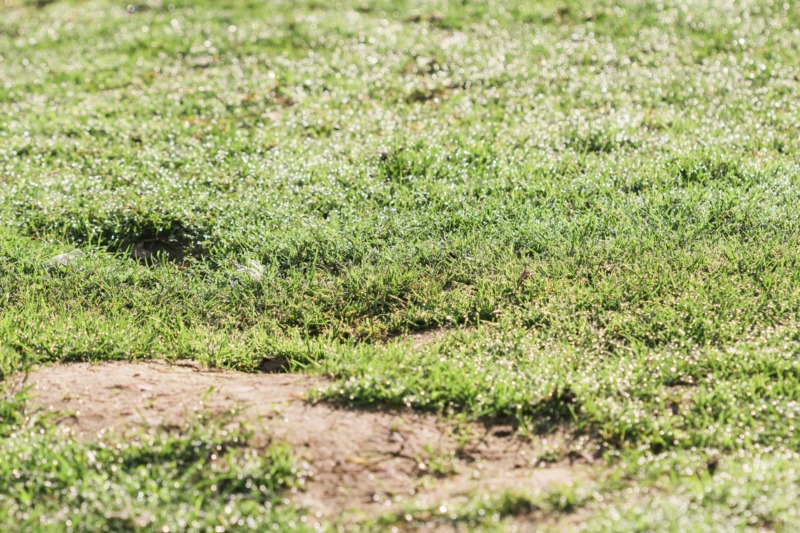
430	461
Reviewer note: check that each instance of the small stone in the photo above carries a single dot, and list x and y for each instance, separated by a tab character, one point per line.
64	260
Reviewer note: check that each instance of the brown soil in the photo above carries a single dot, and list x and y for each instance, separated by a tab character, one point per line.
421	339
359	462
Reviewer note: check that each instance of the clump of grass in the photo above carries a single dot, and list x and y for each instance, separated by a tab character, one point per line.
198	477
495	512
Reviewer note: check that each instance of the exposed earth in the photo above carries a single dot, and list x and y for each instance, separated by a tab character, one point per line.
356	463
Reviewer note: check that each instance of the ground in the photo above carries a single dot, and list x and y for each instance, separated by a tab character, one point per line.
399	264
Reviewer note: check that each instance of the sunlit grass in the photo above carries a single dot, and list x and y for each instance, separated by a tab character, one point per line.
596	200
186	479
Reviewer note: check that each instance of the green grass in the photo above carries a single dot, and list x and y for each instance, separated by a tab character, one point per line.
193	478
398	166
492	513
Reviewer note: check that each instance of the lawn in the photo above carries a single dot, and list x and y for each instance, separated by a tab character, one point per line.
591	206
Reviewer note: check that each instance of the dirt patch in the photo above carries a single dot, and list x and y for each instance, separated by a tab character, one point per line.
359	462
423	338
420	339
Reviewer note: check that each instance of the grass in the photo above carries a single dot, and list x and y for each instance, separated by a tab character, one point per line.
194	478
597	197
494	513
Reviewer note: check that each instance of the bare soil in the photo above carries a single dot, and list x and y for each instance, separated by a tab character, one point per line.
359	463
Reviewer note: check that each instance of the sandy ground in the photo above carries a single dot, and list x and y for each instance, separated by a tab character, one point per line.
358	462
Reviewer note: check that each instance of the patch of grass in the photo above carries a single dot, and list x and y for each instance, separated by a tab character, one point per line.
495	512
704	492
197	478
740	396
